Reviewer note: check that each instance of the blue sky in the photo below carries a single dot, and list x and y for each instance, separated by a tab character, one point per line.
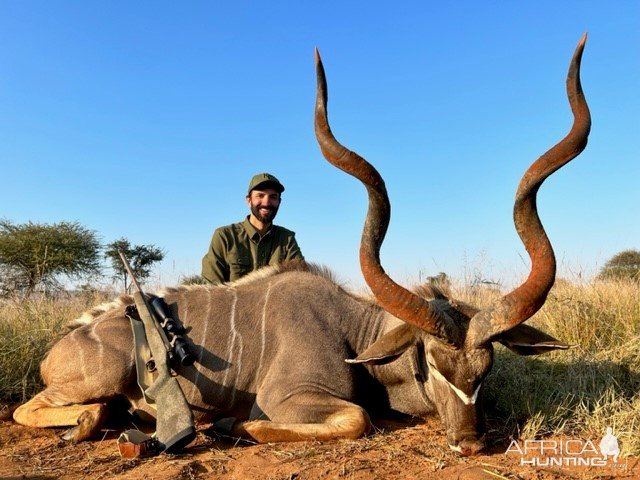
147	119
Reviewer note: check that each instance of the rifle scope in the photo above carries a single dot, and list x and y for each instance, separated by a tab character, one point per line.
175	329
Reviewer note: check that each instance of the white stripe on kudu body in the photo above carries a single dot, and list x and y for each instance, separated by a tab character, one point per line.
205	329
263	330
94	336
233	336
78	348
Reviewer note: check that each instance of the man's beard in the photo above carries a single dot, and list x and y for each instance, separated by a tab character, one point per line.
268	218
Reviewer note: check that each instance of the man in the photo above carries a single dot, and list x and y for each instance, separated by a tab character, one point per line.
240	248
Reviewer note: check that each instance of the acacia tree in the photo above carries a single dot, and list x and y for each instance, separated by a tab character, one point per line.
34	254
623	265
140	257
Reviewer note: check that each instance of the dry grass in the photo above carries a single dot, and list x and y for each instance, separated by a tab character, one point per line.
575	393
27	328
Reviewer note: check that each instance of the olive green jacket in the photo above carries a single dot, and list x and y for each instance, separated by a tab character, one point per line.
238	249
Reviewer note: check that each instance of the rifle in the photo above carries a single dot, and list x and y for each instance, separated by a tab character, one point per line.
174	420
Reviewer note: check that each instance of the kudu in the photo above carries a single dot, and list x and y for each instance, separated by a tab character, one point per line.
271	347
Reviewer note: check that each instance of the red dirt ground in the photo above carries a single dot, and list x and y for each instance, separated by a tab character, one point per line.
396	450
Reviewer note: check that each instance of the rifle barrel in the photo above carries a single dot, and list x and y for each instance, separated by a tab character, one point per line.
129	271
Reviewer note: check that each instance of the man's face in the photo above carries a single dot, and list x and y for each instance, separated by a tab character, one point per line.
264	204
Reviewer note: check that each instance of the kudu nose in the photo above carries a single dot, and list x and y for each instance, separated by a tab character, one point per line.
467	446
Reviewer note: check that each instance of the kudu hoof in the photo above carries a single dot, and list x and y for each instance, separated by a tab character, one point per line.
70	435
224	426
89	424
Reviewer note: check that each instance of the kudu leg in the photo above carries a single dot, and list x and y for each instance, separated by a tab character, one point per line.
41	412
308	416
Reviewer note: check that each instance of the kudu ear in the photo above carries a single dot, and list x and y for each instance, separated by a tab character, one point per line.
388	347
526	340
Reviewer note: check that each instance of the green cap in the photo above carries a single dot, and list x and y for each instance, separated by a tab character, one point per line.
265	180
